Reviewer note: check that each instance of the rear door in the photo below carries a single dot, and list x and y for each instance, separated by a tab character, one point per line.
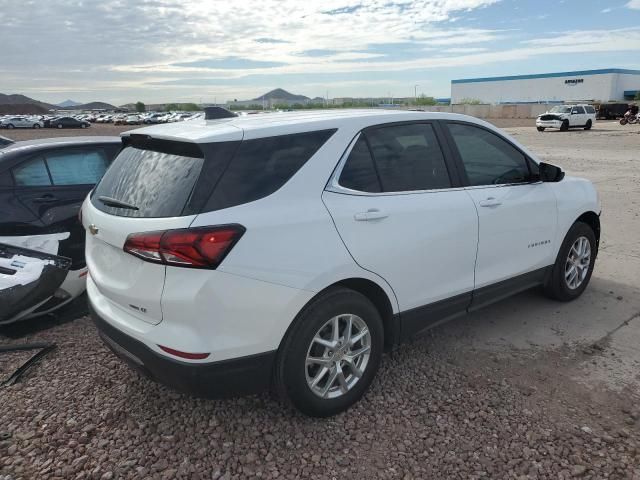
517	212
402	215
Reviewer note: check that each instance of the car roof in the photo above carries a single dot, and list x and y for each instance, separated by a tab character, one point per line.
42	143
283	123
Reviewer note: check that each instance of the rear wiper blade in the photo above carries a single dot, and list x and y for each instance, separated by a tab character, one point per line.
112	202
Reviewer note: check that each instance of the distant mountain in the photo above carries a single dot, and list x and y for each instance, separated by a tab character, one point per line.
281	94
68	103
93	106
23	100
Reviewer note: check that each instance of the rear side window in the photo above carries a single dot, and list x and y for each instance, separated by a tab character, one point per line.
590	109
359	172
408	158
261	166
158	184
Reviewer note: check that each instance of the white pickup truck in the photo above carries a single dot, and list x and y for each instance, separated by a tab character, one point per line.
565	117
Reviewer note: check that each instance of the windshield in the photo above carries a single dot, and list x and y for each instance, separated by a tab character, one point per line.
560	109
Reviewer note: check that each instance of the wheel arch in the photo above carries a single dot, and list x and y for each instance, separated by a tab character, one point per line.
375	293
593	220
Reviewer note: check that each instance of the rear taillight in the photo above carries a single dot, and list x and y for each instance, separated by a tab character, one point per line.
201	247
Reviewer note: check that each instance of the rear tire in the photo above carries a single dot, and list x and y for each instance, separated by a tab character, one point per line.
588	125
540	129
574	264
565	126
328	384
623	121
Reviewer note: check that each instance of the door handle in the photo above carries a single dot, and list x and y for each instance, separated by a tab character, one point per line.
45	199
371	214
490	202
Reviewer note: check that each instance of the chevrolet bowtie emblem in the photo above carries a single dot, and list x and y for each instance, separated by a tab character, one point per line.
93	229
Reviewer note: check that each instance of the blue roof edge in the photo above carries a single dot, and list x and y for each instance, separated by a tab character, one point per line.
549	75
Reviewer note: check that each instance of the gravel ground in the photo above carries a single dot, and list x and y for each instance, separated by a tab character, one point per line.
524	389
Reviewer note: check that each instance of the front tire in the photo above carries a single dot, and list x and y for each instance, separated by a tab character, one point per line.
574	264
35	125
588	125
540	129
10	126
59	125
565	126
330	354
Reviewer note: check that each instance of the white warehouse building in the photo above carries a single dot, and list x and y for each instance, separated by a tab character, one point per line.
611	84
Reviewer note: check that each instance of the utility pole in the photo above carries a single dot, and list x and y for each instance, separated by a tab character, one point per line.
415	94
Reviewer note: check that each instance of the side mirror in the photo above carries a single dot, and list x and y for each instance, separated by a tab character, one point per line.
550	173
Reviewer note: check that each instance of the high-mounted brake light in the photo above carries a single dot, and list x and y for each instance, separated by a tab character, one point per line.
201	247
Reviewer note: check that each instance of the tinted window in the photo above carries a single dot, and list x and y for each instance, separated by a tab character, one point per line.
590	109
488	159
32	174
359	172
77	167
578	110
408	157
262	166
158	183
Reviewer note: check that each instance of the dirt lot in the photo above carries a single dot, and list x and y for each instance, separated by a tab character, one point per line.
525	389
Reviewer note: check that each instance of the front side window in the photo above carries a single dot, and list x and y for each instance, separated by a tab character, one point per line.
487	158
408	158
32	174
77	167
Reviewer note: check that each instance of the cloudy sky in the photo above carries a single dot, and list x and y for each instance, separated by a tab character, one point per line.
204	50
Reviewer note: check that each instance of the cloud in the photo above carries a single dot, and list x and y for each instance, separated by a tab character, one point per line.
633	4
229	63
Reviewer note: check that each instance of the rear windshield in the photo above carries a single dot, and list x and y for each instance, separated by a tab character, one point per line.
158	184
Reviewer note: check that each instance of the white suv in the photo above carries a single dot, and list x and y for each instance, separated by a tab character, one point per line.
565	117
289	250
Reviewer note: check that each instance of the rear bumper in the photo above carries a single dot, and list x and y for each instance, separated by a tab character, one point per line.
234	377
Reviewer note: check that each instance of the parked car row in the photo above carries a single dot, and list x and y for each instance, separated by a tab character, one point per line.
144	118
17	121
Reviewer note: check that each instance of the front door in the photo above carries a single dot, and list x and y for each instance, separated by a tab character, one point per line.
517	213
401	216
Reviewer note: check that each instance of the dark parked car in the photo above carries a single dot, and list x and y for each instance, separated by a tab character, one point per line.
68	122
612	111
42	186
4	141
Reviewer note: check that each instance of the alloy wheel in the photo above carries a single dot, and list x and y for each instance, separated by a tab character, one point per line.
338	356
578	261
